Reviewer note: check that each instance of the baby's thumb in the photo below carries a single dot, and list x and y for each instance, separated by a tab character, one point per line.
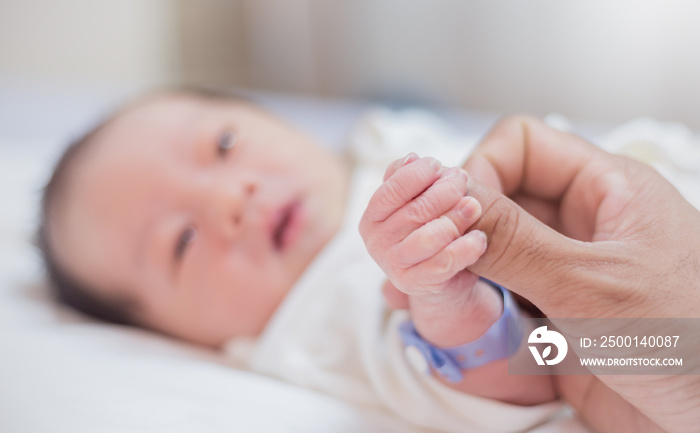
523	254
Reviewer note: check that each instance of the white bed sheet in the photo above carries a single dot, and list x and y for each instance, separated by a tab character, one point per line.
60	371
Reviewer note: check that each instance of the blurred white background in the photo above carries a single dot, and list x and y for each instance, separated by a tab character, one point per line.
595	60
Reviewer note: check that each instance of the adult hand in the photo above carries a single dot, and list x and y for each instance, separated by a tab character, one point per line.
583	233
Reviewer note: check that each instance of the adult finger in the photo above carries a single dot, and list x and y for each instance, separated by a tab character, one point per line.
603	409
522	154
522	157
526	255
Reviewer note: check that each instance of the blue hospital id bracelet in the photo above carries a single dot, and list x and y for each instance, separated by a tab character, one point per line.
500	341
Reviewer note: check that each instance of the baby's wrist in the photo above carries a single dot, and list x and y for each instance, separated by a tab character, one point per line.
499	341
458	316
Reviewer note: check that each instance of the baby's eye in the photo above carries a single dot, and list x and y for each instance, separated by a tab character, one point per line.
187	236
227	141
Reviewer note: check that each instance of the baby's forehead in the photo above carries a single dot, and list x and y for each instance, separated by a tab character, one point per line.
179	113
144	141
135	144
165	110
153	121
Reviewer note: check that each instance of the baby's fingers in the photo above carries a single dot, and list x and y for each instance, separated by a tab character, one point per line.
432	274
435	235
391	169
434	202
405	184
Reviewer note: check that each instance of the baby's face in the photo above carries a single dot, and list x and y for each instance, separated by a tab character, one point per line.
204	212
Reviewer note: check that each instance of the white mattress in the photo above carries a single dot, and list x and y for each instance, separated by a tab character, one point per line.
63	372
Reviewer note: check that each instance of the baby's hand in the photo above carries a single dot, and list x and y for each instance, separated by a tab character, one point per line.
414	227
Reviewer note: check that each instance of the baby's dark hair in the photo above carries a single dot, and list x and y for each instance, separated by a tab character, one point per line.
66	288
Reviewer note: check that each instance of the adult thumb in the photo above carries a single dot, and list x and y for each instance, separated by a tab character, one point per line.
524	254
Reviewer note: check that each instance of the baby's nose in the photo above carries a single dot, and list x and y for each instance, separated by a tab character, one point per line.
229	205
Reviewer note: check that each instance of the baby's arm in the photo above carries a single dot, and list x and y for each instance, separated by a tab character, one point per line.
414	227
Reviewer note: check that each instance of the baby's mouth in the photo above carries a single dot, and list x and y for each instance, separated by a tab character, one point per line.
285	218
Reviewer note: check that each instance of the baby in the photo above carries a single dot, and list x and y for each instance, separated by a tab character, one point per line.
196	215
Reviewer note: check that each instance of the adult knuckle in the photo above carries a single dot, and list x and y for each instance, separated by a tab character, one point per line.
505	224
514	126
508	238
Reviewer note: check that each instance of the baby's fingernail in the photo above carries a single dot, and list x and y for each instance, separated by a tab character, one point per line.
455	171
468	207
482	236
478	239
449	172
435	164
409	158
